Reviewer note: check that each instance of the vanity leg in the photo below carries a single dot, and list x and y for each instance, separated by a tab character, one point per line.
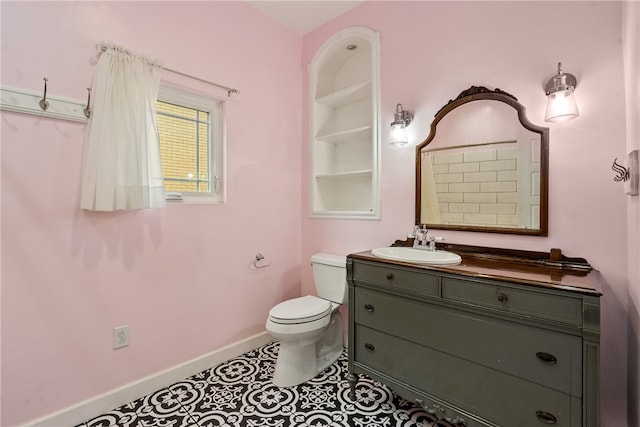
352	379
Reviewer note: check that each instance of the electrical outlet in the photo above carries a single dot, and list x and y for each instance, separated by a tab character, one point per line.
120	336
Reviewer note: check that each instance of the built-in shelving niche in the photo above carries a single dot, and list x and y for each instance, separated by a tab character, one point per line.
344	125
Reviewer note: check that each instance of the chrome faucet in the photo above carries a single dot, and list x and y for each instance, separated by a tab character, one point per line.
424	235
432	242
416	236
420	240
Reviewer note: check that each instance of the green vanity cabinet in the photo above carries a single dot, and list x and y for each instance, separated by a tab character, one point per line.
477	347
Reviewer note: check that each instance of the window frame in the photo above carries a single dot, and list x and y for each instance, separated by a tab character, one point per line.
215	107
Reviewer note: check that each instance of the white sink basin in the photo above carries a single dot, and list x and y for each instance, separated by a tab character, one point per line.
418	256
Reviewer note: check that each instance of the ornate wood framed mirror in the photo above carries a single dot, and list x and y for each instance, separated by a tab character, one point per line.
484	167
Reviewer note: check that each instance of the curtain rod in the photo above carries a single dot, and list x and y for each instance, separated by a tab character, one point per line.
229	90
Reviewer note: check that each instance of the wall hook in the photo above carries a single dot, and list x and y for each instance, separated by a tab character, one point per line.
44	104
623	173
628	174
87	109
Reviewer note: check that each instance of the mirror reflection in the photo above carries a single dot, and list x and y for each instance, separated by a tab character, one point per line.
483	167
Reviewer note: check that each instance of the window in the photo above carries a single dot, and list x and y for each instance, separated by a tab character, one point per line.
191	145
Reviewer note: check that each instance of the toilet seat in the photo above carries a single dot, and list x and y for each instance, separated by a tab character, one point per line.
300	310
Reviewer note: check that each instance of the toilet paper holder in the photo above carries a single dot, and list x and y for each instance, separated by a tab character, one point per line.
259	257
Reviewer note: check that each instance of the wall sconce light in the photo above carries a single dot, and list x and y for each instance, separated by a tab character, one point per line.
401	119
561	105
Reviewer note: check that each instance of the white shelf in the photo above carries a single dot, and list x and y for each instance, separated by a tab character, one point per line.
349	95
345	135
354	214
349	174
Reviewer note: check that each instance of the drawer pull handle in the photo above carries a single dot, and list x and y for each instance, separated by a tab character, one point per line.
503	298
546	358
369	308
389	276
369	346
546	417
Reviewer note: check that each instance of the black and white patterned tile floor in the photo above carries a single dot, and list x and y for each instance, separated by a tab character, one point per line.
239	393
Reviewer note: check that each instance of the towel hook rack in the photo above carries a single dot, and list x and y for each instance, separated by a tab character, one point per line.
44	104
87	109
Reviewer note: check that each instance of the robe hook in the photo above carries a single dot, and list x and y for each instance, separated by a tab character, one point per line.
87	109
623	173
44	104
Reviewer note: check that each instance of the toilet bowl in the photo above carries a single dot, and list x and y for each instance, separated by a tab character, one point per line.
309	328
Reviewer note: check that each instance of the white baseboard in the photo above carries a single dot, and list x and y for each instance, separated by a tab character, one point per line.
90	408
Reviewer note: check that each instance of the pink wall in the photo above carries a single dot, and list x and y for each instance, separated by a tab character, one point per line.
631	43
430	52
180	275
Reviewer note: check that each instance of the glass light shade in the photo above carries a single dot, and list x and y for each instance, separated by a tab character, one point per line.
398	134
561	106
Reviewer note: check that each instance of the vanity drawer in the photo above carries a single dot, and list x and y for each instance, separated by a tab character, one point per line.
388	276
511	299
474	388
431	404
545	357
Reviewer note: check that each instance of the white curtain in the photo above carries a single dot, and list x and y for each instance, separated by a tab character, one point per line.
122	169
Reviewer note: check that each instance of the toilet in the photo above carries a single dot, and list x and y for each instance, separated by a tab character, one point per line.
310	328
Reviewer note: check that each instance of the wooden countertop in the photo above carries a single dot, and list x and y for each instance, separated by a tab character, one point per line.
525	267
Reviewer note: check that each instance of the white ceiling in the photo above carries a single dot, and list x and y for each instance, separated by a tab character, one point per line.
303	16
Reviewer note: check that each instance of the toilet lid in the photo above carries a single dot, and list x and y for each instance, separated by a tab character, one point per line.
300	310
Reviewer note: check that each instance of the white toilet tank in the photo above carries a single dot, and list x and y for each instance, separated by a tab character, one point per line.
330	276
